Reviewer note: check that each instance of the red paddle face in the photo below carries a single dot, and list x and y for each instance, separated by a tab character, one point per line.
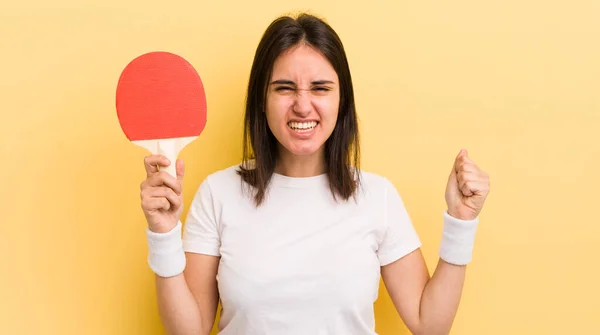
160	96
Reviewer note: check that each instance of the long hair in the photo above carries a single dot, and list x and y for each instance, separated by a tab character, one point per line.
260	149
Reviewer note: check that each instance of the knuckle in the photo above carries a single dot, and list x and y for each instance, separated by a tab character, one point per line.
148	160
162	175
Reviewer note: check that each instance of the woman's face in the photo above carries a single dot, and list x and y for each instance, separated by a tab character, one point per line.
302	100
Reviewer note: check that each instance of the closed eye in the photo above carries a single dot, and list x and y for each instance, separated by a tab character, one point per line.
283	88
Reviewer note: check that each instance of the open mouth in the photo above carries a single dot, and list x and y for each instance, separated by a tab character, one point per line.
302	127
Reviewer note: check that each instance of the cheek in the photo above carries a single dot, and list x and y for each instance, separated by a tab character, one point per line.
328	110
276	110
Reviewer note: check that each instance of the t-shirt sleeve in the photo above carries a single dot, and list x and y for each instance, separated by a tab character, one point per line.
201	232
400	237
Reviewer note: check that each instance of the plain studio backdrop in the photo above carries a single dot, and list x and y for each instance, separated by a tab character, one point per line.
515	82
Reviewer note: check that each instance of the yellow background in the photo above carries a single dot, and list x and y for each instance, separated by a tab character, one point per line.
515	82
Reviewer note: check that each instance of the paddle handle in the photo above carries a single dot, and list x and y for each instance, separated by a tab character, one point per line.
169	148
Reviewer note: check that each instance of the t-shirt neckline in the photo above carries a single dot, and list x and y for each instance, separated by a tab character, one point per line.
282	180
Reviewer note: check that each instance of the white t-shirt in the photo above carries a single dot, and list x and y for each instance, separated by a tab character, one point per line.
300	263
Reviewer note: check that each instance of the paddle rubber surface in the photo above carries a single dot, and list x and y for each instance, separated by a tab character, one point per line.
160	96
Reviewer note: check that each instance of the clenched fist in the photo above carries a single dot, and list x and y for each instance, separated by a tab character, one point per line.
467	188
161	193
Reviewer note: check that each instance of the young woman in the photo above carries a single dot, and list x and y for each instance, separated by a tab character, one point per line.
295	239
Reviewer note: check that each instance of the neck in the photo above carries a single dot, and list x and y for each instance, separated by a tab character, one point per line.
300	166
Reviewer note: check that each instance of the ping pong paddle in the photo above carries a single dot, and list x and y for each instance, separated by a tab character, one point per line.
161	104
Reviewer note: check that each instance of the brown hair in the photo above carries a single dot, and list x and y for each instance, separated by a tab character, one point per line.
260	145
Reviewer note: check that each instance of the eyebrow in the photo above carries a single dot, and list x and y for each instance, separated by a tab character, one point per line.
289	82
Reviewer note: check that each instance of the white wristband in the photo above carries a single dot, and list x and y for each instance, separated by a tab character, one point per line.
458	238
165	252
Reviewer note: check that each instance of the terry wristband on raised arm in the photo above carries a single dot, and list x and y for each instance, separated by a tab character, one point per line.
458	238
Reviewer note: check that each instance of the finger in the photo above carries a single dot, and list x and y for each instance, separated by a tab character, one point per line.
144	185
459	158
472	175
163	178
152	163
469	166
457	161
466	167
480	187
154	204
180	168
470	188
465	188
466	159
464	177
165	192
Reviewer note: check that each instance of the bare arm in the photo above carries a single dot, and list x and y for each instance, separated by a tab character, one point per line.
188	302
427	305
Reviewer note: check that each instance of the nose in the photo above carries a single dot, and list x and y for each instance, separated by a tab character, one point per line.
302	103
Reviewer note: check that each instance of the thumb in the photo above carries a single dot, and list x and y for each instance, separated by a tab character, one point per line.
452	187
180	168
452	178
462	153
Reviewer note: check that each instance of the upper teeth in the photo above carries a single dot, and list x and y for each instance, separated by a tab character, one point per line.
303	125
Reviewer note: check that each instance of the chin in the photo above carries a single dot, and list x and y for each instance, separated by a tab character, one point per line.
303	149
